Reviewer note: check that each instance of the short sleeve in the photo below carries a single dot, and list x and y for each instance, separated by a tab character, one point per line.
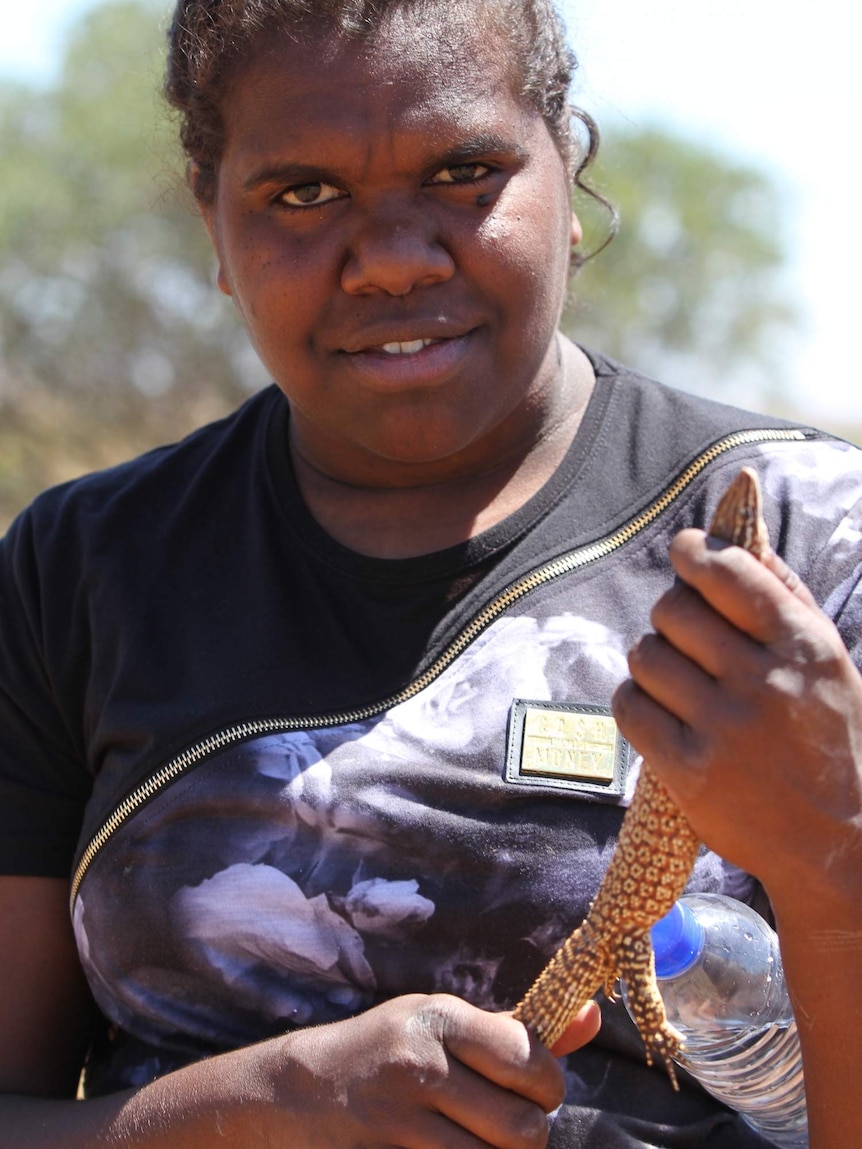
842	557
44	783
822	486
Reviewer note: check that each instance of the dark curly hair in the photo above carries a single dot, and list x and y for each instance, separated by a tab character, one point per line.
209	39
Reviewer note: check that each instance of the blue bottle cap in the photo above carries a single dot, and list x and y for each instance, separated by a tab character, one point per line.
677	940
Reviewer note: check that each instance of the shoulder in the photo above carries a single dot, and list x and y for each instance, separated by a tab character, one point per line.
647	447
655	449
661	431
145	494
667	416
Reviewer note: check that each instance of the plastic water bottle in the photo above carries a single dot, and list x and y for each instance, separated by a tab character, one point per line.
720	974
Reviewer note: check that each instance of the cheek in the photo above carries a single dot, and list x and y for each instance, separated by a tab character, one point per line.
261	256
530	252
271	280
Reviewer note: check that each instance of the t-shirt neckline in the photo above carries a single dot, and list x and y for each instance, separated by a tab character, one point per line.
452	560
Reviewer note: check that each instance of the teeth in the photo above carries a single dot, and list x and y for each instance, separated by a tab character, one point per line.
410	348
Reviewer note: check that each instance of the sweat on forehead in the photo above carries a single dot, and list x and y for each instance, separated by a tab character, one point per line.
210	39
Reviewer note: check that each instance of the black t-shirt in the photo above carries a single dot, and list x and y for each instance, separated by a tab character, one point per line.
293	781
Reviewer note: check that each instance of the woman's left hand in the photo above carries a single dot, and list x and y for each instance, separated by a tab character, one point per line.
746	704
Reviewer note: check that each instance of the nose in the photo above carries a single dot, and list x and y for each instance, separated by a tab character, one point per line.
393	254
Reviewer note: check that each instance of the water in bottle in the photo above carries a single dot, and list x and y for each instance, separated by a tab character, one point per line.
720	974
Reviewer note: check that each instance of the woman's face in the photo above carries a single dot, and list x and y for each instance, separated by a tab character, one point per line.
394	224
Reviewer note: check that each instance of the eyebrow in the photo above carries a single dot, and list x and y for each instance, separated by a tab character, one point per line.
283	173
482	144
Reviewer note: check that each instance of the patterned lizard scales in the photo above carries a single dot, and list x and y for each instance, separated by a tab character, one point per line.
651	864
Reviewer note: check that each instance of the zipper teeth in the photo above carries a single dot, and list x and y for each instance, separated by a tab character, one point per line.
566	564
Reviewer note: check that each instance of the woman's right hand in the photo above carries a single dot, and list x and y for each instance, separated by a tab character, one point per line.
420	1073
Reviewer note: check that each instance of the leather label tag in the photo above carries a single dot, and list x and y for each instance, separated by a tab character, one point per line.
570	745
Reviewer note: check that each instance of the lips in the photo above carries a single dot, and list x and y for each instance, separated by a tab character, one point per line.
401	335
418	361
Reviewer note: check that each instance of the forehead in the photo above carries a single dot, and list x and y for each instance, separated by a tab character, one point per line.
447	73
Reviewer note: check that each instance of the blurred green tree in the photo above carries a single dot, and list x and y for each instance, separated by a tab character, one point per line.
113	337
691	289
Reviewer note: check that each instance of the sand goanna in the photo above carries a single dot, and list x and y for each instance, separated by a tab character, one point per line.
649	869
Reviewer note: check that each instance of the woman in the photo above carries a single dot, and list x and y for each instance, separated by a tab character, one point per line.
305	701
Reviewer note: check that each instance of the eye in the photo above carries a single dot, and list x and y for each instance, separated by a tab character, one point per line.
310	195
461	174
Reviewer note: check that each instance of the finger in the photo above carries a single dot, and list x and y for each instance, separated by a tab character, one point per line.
490	1114
430	1129
671	679
686	620
760	598
580	1031
435	1131
656	733
498	1048
790	579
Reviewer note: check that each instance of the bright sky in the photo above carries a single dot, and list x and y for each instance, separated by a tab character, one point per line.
776	81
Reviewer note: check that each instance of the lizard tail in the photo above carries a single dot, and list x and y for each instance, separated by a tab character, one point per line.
576	972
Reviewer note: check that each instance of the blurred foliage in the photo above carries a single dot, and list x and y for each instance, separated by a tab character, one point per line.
113	336
106	285
690	289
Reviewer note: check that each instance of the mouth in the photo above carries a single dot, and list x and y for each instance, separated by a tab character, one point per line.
403	336
422	361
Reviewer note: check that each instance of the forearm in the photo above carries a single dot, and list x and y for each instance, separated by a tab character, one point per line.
821	944
422	1069
226	1100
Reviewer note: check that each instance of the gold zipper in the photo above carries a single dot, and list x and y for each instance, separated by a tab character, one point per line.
564	565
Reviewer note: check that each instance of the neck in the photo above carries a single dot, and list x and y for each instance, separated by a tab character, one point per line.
428	508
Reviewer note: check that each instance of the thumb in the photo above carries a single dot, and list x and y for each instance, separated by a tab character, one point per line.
582	1029
790	578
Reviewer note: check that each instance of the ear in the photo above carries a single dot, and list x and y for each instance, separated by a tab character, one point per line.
209	214
577	231
222	281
